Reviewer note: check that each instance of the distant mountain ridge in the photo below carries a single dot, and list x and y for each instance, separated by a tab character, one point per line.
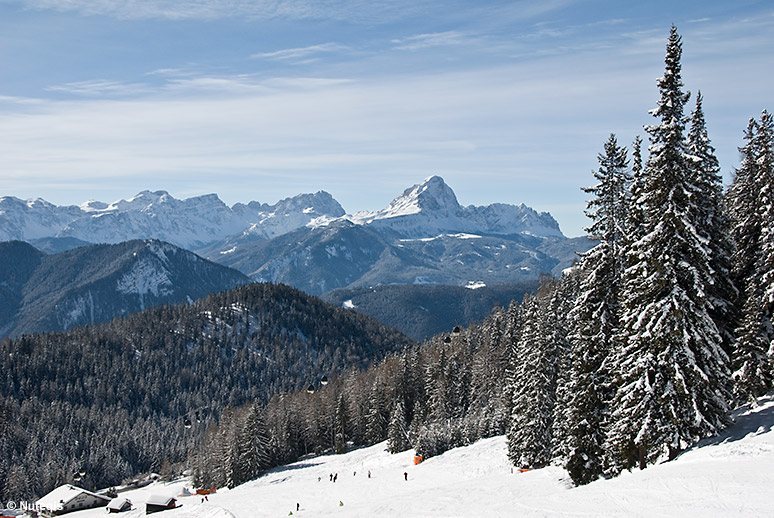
188	223
96	283
426	209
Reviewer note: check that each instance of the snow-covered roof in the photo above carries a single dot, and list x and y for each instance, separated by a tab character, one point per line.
118	503
160	500
60	496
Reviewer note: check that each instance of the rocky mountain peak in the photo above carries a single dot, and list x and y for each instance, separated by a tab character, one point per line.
432	195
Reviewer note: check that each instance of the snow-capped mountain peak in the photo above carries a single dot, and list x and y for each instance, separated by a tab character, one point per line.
93	206
431	208
432	195
140	201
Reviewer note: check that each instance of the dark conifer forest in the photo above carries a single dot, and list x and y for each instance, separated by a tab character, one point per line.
133	395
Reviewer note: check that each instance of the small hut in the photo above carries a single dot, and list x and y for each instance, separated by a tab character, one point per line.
119	505
157	503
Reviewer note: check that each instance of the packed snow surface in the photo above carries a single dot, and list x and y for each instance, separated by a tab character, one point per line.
732	475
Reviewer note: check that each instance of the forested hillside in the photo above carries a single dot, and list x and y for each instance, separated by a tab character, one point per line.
117	399
423	311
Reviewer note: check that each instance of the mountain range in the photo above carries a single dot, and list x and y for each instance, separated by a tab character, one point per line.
423	237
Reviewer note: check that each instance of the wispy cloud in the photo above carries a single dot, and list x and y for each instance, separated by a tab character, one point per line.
352	10
173	72
187	85
100	87
436	39
13	100
301	52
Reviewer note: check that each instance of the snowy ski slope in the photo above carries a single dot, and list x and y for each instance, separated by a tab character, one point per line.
732	475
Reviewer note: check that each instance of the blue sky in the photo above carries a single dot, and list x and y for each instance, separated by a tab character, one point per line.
508	101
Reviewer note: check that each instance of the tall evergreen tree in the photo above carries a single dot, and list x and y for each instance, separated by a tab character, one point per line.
766	164
750	201
376	425
251	457
534	385
340	426
673	377
744	208
397	430
713	224
595	318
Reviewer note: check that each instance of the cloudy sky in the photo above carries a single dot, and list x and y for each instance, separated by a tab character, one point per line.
508	101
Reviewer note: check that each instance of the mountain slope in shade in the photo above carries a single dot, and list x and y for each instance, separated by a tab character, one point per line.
96	283
18	262
423	311
346	255
315	260
54	245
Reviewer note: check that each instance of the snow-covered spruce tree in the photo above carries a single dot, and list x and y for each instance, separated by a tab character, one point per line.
750	206
437	387
487	376
744	208
713	224
397	430
511	331
533	389
567	293
376	424
766	163
340	426
251	448
224	456
595	319
672	375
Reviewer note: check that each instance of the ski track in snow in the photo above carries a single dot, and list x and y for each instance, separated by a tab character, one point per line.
729	476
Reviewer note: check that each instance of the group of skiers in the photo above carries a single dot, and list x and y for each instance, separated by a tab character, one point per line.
334	476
